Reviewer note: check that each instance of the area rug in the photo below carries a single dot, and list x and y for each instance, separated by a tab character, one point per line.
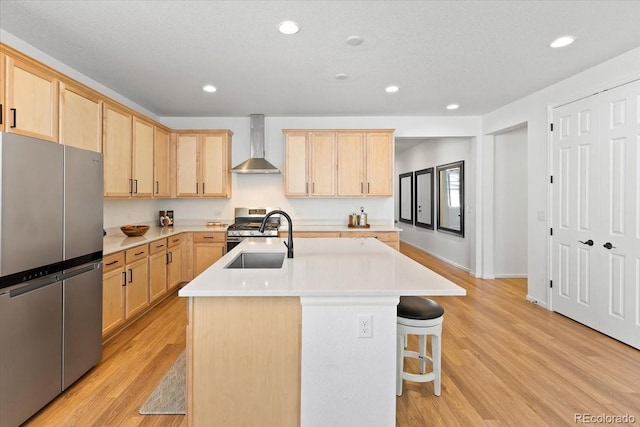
168	396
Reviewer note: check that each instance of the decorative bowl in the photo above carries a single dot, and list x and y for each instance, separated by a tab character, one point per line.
134	230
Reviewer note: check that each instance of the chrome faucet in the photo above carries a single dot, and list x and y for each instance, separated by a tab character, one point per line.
289	243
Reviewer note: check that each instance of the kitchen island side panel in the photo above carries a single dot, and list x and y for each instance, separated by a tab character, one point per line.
244	361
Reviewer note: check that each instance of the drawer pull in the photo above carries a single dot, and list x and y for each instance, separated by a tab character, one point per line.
15	118
159	246
175	240
139	253
207	237
112	262
124	278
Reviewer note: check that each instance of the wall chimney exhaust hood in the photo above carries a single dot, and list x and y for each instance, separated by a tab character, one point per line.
257	163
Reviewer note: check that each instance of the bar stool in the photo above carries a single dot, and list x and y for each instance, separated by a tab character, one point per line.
419	316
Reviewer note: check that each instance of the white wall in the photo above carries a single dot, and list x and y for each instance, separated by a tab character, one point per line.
510	203
430	153
534	110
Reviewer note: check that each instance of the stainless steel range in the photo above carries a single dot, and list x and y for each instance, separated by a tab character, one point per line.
247	222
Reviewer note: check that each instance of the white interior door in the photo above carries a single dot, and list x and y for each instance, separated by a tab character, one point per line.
596	212
575	181
619	235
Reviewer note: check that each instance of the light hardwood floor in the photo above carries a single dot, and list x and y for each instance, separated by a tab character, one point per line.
506	362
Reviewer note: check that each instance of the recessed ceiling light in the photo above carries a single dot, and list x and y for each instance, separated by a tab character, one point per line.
209	88
342	76
562	41
453	107
392	89
288	27
354	40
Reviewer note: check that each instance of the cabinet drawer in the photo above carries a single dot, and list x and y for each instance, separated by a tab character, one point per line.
174	240
390	236
137	253
157	246
113	261
209	237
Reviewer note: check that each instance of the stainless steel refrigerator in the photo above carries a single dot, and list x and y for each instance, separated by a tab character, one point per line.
50	271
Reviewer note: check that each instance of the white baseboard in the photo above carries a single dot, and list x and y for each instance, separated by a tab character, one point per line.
514	275
537	301
441	258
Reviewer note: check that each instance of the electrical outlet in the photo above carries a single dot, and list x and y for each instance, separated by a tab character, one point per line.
365	326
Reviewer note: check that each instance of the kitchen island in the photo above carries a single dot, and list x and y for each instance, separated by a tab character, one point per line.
283	346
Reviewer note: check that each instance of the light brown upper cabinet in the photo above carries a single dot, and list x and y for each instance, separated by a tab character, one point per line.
310	164
203	164
365	164
161	164
30	103
80	118
116	148
142	162
339	163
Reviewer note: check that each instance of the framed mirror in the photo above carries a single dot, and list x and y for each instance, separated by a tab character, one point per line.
451	197
405	198
424	198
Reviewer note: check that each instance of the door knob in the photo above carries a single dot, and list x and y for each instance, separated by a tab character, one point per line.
608	245
588	242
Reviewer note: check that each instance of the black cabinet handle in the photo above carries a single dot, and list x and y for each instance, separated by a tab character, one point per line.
130	275
1	115
139	253
124	278
608	245
588	242
197	188
207	237
157	187
361	188
171	257
368	187
15	117
130	186
112	262
203	188
135	183
167	258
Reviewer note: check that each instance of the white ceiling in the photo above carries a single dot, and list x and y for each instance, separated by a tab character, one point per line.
479	54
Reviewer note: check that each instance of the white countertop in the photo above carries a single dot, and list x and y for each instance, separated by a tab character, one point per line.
340	228
322	267
115	240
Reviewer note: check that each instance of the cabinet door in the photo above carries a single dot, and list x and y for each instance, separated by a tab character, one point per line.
323	164
80	118
296	165
186	166
137	289
32	100
142	171
157	275
161	164
213	165
350	161
116	147
113	296
379	158
205	254
174	267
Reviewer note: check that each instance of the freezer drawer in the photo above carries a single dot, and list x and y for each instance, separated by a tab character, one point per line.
30	350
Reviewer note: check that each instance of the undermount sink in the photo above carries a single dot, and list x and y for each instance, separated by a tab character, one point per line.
257	260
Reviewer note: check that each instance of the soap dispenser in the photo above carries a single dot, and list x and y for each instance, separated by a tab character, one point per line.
363	218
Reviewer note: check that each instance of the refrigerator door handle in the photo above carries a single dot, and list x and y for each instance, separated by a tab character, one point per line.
34	285
80	271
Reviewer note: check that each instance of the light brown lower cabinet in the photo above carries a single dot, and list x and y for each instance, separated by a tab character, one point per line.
158	266
113	282
137	287
207	249
174	261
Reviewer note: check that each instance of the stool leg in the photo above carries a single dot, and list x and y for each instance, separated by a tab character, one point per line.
422	349
437	362
399	363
